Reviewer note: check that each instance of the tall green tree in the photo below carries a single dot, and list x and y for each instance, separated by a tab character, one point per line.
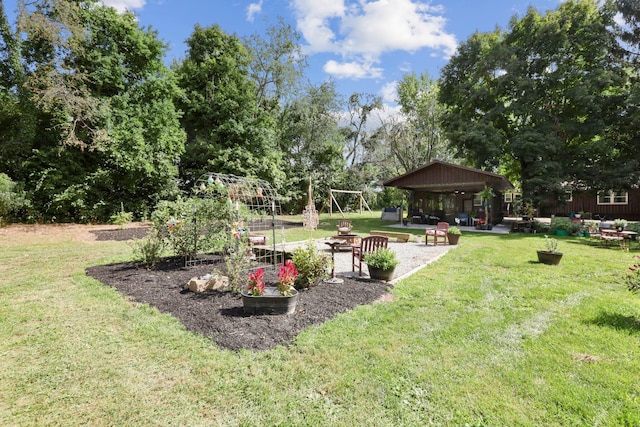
107	130
422	137
276	64
313	144
226	130
543	98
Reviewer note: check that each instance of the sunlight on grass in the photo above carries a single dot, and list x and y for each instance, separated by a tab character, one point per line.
484	336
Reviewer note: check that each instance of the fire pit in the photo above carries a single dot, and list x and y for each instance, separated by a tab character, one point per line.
349	239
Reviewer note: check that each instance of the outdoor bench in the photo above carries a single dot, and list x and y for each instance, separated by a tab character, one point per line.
400	237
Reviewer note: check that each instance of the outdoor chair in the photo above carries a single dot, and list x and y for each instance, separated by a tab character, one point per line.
464	219
439	234
344	226
367	244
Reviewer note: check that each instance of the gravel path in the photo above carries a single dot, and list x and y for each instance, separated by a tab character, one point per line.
412	256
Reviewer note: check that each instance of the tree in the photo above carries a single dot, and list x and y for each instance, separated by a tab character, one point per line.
226	131
423	140
359	108
544	98
312	143
106	129
630	31
276	65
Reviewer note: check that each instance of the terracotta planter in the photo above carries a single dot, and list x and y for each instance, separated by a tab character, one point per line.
453	238
271	302
549	258
380	274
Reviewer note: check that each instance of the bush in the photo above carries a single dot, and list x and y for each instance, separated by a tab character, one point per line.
238	264
121	218
149	249
12	199
383	258
560	224
312	265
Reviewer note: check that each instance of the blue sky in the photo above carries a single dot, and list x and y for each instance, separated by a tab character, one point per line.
364	45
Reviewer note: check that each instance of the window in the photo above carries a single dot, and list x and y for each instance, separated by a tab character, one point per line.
613	198
477	200
510	197
568	196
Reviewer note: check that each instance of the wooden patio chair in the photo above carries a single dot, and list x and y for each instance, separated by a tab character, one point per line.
367	244
439	234
344	226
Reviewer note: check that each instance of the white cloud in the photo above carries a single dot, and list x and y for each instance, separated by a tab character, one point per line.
389	92
353	70
361	31
253	9
122	5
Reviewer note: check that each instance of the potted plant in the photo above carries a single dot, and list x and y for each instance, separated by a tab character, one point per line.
453	235
619	224
279	299
550	256
381	264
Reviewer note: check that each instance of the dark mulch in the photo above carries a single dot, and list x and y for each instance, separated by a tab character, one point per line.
121	234
219	315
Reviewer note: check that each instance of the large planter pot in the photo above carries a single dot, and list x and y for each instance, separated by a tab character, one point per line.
562	233
380	274
549	258
271	302
453	238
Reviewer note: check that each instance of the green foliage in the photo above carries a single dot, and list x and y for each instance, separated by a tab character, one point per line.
544	98
382	258
619	223
312	265
237	264
560	223
454	230
12	199
121	218
551	244
149	249
95	115
194	225
226	131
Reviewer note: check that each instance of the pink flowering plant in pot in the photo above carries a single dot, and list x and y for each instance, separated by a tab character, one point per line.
256	283
286	278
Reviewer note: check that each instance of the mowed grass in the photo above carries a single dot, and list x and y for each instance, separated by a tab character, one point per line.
484	336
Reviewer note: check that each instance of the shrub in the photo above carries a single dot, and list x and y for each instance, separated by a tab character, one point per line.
12	199
560	224
383	258
238	263
312	265
149	249
121	218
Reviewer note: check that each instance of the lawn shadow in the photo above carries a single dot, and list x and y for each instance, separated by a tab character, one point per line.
617	321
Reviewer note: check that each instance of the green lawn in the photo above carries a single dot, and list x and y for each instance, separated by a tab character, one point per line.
484	336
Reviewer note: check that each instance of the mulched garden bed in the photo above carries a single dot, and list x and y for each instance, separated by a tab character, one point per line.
219	315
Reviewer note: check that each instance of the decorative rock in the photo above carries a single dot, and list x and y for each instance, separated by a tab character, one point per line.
207	283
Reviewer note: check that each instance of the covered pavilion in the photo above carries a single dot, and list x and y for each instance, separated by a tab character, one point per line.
445	191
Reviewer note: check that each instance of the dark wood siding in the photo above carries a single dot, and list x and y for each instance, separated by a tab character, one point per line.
582	202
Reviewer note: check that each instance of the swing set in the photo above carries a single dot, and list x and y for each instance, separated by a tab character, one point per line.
332	200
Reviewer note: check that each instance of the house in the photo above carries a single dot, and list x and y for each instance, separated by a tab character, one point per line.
609	205
444	191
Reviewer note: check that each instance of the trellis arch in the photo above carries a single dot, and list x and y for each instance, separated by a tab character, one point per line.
255	214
